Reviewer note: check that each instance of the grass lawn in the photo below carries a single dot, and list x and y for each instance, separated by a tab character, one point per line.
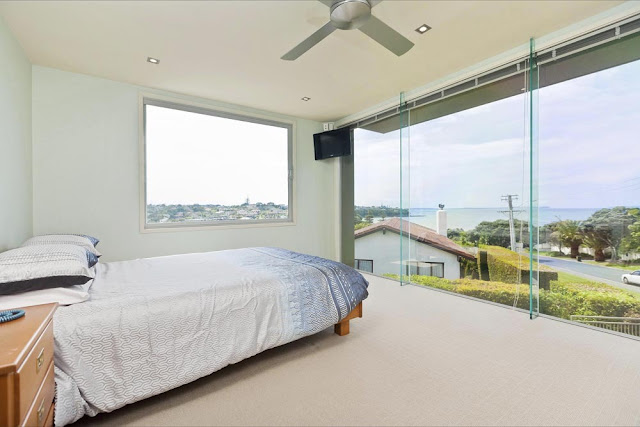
630	267
572	278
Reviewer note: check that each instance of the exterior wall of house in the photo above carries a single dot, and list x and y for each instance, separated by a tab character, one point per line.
384	250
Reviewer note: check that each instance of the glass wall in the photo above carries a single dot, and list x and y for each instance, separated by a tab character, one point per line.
589	197
469	179
377	201
461	181
523	190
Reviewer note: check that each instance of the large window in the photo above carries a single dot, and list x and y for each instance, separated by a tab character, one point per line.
205	167
523	192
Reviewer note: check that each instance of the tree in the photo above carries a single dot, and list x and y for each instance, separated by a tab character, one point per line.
456	234
617	221
380	211
597	238
360	225
496	233
631	242
570	234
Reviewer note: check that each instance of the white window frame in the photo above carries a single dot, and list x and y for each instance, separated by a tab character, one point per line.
216	111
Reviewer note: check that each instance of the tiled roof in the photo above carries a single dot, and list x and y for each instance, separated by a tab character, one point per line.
418	233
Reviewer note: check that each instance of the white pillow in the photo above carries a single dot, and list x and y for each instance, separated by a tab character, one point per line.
87	242
63	296
37	267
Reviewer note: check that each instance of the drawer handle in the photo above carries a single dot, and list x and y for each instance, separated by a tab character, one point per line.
40	360
40	412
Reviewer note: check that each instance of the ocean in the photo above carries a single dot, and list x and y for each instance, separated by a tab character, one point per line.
469	218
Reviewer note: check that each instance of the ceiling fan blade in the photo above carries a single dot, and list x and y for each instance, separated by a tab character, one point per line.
386	36
327	3
309	42
373	3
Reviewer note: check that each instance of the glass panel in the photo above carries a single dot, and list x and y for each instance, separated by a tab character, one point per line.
469	185
377	201
533	79
590	197
381	198
405	242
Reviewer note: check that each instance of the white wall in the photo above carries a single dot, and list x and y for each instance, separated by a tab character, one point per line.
384	250
86	177
15	142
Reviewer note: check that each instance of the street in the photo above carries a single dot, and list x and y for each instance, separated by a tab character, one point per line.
608	275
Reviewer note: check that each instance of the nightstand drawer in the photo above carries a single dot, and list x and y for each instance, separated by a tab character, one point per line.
42	403
49	421
34	369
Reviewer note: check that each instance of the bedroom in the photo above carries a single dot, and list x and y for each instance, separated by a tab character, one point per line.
92	95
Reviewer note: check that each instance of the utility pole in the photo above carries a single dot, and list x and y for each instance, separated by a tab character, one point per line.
509	198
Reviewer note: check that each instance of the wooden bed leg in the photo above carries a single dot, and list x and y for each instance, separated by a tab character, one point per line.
342	328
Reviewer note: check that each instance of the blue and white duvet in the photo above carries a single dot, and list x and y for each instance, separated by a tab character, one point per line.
157	323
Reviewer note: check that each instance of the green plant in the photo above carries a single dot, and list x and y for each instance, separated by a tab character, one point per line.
631	243
360	225
597	238
509	267
570	234
567	296
611	227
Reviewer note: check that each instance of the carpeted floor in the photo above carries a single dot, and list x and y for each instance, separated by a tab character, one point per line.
417	357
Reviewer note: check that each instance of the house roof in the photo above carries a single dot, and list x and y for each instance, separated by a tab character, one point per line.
418	233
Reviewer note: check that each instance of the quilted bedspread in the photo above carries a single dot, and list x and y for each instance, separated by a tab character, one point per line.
154	324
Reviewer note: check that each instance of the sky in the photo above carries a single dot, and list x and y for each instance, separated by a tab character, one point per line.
589	150
196	158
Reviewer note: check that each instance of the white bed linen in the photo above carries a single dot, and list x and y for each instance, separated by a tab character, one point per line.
63	296
154	324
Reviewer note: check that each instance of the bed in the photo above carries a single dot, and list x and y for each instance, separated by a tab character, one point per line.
154	324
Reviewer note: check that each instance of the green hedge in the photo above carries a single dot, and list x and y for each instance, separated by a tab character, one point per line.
588	299
507	266
483	270
561	300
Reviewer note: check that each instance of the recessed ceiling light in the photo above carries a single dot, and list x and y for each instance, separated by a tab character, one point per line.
423	28
306	98
153	60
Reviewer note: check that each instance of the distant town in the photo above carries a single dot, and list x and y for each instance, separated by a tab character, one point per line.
246	211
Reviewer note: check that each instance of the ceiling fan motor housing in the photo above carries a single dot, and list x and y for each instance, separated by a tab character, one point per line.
350	14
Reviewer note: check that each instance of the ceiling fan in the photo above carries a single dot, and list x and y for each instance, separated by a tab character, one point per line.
352	15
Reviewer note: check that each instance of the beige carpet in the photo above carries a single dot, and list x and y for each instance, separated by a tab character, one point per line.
418	357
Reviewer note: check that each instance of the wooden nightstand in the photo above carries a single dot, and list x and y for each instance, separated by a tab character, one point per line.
27	384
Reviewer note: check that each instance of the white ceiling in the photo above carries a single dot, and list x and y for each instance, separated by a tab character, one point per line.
230	50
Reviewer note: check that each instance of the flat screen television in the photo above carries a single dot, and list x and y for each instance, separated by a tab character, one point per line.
333	143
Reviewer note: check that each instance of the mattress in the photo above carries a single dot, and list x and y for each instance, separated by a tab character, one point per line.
154	324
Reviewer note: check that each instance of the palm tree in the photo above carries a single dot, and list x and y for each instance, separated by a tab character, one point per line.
598	239
570	235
